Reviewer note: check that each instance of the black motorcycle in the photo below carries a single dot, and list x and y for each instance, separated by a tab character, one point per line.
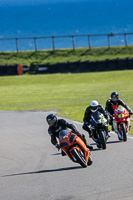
99	127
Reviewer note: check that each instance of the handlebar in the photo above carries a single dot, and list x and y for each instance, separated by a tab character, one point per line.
130	114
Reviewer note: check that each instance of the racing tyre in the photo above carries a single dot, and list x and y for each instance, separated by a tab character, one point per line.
80	159
90	161
119	138
123	132
99	146
102	139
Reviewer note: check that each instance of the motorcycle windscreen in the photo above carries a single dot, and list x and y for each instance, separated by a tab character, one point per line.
95	117
63	136
120	109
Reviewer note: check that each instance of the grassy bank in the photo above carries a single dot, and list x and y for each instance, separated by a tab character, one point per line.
65	55
70	94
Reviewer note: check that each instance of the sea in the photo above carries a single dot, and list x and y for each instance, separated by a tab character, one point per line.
47	18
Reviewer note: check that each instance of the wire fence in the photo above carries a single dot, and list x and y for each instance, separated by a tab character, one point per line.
87	40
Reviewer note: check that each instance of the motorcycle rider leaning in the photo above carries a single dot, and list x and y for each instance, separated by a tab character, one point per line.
56	125
94	106
113	103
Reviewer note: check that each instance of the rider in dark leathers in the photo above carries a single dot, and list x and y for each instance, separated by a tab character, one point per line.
113	103
56	125
94	106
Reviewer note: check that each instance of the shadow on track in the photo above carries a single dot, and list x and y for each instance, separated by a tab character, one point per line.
110	142
56	154
45	171
113	142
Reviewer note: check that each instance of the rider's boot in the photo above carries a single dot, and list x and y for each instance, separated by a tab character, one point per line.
63	153
107	132
84	140
89	146
112	128
90	134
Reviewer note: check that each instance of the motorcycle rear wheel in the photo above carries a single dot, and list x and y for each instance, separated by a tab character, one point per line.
123	132
102	139
80	159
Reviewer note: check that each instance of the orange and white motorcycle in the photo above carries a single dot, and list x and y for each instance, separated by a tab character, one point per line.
75	148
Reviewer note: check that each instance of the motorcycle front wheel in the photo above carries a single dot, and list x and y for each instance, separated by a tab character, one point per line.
102	139
90	161
80	159
123	132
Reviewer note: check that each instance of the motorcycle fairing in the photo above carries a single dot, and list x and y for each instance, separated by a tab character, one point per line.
71	141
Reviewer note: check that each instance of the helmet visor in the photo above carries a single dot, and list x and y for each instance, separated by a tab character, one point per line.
114	98
94	108
51	122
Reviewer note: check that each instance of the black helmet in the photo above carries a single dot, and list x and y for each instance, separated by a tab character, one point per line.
51	119
114	96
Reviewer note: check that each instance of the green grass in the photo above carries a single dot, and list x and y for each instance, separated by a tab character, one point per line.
65	55
69	94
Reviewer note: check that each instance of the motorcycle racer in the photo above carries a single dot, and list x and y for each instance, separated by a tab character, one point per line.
113	103
56	125
94	106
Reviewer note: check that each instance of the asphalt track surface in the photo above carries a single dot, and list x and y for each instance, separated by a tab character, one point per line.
32	169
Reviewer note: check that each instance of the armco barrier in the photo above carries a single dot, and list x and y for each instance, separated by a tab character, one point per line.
75	67
8	70
13	70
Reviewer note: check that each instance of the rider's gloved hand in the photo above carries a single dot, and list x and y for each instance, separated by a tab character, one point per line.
131	112
77	133
57	146
86	123
111	116
83	136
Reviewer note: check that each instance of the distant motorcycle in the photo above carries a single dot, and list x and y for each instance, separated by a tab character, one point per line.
98	126
121	123
75	148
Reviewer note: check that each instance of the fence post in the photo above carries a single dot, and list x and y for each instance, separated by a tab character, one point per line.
108	40
53	43
125	39
89	41
73	43
17	45
35	44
